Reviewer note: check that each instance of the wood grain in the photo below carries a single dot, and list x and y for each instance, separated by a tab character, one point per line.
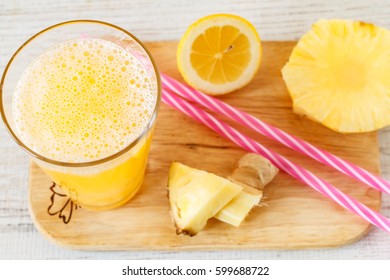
293	215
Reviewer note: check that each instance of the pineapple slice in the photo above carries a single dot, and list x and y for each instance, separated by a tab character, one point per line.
339	75
239	207
195	196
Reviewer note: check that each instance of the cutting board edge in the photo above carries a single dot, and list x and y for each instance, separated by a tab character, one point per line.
250	247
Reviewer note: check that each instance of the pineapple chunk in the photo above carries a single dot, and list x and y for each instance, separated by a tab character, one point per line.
339	75
253	173
239	207
195	196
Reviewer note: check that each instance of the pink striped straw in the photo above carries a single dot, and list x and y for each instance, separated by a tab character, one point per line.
279	161
276	134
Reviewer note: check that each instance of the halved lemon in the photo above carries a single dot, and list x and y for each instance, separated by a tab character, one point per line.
219	53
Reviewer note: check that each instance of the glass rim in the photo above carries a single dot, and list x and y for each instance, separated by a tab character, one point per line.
87	163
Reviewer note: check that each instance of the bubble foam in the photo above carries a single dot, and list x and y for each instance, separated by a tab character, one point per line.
83	100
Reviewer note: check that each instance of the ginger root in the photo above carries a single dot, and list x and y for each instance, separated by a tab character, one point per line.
254	171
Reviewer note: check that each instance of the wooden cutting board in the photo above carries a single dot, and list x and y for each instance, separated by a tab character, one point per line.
293	215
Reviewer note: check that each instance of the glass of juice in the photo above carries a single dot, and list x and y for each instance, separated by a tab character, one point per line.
81	97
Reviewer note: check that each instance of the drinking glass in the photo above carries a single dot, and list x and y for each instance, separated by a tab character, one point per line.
100	184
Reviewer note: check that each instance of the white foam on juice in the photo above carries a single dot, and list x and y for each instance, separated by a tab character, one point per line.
82	100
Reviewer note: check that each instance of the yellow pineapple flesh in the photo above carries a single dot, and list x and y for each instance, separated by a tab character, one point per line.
195	196
240	206
339	75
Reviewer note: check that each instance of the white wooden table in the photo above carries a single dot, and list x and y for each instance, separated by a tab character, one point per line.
164	20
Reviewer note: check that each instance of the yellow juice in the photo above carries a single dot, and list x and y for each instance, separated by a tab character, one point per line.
84	101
